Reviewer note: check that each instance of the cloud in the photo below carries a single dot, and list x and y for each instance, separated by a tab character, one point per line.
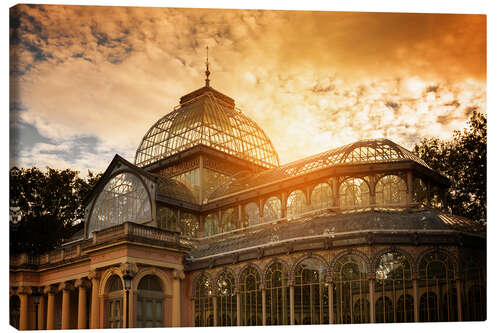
311	80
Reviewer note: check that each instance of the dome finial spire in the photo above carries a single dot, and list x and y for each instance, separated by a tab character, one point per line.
207	73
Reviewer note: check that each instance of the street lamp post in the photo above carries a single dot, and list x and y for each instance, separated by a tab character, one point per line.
127	279
36	301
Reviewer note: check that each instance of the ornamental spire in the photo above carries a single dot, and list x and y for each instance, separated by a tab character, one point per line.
207	73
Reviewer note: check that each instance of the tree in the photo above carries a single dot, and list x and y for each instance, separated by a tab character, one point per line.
463	160
46	207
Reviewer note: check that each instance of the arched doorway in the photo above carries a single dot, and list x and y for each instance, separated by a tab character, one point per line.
114	302
150	298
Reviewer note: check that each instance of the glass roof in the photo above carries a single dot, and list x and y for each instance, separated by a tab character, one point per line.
207	117
359	152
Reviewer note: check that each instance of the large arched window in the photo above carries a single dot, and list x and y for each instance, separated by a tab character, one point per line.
251	297
123	199
114	302
354	192
438	301
296	204
203	305
351	290
226	299
277	304
251	214
211	225
321	196
420	192
474	289
229	219
150	302
272	209
310	293
390	189
392	279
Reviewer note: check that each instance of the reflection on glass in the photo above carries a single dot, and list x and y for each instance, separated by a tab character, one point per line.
390	189
296	204
321	196
272	209
229	219
354	192
211	225
250	214
310	293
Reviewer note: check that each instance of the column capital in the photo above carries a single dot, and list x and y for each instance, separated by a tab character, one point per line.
82	283
130	268
94	275
50	290
65	286
24	290
178	274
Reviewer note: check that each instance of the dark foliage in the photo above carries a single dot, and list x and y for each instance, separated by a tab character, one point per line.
463	160
46	207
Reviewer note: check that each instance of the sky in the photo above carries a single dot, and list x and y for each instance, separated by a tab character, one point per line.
88	82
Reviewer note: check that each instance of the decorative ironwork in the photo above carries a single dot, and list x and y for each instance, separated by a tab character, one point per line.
208	119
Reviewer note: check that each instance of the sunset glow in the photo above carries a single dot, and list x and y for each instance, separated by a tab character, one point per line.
88	82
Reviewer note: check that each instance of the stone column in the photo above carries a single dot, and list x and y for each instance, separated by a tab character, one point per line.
24	315
240	216
261	210
263	304
371	281
238	308
94	302
459	299
292	303
82	285
41	313
415	300
335	191
176	297
331	314
51	308
214	305
66	287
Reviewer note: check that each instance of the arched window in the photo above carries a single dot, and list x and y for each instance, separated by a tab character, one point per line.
226	300
384	310
272	209
436	281
351	290
251	297
166	218
321	196
14	308
211	226
251	214
114	299
474	288
277	304
203	305
404	309
420	192
354	192
296	204
123	199
189	224
229	219
150	302
389	190
392	278
310	293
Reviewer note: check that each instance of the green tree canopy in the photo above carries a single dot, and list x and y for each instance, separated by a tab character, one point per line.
463	160
46	208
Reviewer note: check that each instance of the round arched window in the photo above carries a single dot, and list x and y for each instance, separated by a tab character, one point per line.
123	199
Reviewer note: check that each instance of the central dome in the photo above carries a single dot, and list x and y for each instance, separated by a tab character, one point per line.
207	117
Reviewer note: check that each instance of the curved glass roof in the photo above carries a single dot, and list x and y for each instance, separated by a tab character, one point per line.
209	118
359	152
